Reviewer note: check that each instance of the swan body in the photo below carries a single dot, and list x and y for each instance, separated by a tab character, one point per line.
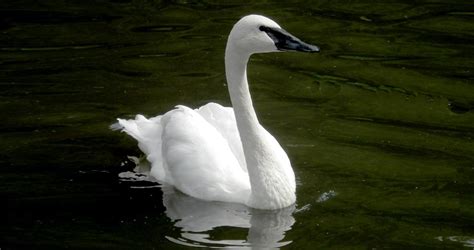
218	153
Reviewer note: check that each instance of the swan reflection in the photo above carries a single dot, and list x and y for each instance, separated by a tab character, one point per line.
198	218
201	222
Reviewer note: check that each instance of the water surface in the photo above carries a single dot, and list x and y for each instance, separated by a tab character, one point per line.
379	126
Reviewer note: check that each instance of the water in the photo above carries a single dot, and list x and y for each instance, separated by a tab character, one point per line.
378	126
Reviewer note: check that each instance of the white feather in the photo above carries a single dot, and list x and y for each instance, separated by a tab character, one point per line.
217	153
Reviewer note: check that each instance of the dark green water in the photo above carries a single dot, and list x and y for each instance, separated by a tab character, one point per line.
379	126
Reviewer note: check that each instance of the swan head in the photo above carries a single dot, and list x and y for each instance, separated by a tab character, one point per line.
259	34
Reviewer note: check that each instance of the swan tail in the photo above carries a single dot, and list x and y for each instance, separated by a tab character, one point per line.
116	126
131	127
147	132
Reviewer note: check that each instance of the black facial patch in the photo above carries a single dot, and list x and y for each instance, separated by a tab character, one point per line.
279	36
284	41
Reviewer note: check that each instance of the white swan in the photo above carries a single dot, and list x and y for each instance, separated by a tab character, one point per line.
223	154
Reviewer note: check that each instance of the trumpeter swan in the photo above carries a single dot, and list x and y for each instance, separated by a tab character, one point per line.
223	154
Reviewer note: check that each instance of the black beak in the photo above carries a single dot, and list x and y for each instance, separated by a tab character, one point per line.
285	41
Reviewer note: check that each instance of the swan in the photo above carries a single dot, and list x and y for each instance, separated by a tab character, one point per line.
218	153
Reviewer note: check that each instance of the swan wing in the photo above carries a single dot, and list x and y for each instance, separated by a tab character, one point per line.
199	159
188	152
223	120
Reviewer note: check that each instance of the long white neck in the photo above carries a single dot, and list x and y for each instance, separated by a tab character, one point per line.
236	73
270	173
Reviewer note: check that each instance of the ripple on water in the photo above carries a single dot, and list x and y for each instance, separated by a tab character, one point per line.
54	48
161	28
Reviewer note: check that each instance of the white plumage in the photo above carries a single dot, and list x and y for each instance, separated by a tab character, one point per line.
223	154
